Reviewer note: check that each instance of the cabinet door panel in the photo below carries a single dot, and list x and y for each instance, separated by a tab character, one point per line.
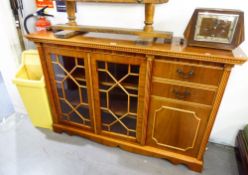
176	126
117	82
69	82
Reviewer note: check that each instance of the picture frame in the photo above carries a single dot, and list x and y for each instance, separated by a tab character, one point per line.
215	28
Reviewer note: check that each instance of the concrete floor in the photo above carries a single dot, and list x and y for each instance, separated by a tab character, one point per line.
25	150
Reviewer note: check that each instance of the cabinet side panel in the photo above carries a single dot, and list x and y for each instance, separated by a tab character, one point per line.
216	105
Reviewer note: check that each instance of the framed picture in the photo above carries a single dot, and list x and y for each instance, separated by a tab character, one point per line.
215	28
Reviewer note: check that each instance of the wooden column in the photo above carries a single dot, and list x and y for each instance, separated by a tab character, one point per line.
149	14
71	10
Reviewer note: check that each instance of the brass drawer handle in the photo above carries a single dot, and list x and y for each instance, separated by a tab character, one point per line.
181	95
184	75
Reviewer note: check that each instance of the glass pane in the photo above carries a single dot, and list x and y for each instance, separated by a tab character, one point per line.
131	81
74	117
101	65
133	104
118	101
130	121
72	93
107	118
105	79
64	117
53	57
134	69
60	90
103	99
84	95
118	128
118	71
59	72
71	86
84	111
118	85
80	62
68	63
65	107
79	75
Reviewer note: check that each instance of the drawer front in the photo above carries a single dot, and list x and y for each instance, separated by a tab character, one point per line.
183	93
187	72
176	127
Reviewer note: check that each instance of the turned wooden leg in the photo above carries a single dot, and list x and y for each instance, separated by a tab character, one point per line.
149	14
71	10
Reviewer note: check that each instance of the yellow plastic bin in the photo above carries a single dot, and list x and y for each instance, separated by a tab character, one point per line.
31	85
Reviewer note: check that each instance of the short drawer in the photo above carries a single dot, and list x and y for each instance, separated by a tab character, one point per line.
183	93
187	72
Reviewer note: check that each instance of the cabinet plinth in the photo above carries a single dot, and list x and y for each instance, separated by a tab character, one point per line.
159	100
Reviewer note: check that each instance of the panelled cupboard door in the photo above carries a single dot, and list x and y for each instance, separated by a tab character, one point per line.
118	91
176	126
68	72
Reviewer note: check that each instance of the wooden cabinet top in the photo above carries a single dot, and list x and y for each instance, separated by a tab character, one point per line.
128	44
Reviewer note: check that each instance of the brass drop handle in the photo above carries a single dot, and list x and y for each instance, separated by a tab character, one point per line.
181	95
184	75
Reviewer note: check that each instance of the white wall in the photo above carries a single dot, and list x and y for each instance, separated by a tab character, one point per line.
10	53
29	8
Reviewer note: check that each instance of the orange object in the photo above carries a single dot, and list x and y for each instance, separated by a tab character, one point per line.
44	3
42	24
